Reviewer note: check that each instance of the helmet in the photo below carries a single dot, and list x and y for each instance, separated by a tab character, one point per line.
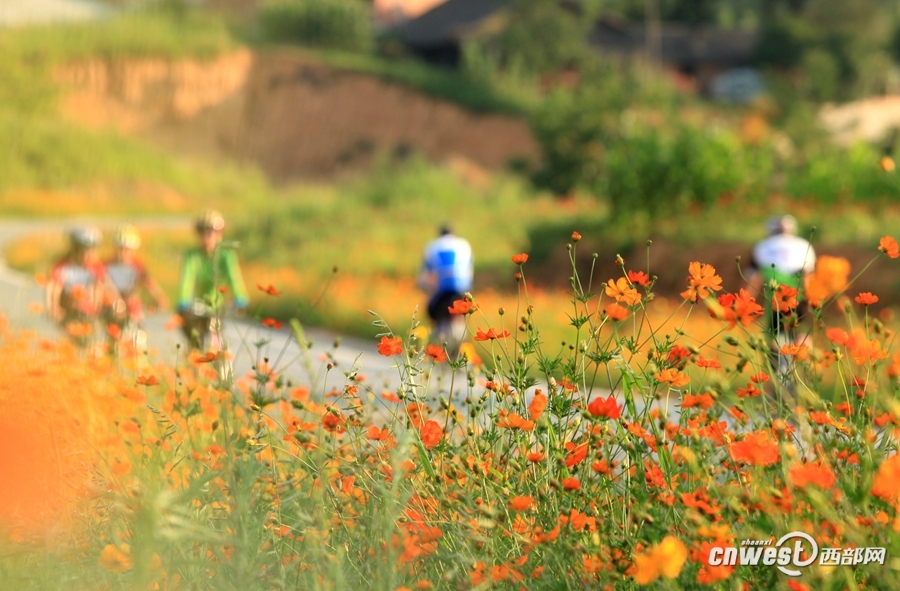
210	220
127	237
782	224
85	237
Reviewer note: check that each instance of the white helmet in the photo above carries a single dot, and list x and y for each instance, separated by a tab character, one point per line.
782	224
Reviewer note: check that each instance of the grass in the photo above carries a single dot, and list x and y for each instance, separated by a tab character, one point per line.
172	480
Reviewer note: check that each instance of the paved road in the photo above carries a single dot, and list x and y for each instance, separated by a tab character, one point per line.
25	12
19	290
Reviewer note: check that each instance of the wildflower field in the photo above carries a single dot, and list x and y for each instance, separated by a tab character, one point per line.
515	470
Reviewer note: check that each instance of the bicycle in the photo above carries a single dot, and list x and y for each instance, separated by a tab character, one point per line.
123	326
202	326
452	332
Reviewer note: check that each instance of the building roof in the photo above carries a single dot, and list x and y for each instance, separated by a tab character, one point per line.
678	43
447	22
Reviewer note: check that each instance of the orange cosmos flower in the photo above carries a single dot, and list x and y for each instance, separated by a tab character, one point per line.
674	378
665	559
889	246
521	503
639	278
271	323
750	391
870	352
116	559
866	298
571	483
333	421
605	408
886	484
886	164
622	291
147	380
269	289
490	335
520	259
616	312
708	363
431	433
803	475
703	401
514	421
79	329
390	346
576	453
784	299
739	308
436	353
462	307
838	336
756	449
537	406
535	456
120	466
701	280
798	352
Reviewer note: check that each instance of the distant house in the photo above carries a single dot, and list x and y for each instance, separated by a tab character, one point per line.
438	34
701	53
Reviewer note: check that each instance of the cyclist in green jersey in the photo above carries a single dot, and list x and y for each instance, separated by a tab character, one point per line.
205	270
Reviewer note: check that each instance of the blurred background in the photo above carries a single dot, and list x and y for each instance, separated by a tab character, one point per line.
337	135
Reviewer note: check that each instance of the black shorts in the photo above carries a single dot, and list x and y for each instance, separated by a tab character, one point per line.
438	307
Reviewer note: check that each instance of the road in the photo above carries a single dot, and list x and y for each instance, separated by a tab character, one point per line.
26	12
19	290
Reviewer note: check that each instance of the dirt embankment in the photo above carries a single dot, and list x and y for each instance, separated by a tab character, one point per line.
294	117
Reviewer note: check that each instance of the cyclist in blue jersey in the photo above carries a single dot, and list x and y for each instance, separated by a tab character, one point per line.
446	275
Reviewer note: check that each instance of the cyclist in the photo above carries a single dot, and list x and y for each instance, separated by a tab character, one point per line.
205	270
76	285
783	258
446	275
128	275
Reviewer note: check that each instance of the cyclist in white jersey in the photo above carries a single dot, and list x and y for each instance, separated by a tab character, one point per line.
783	258
446	275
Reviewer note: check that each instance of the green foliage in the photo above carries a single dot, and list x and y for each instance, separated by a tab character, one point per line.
831	42
648	171
536	37
543	36
332	24
139	34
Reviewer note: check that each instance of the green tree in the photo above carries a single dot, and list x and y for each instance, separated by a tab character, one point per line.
537	36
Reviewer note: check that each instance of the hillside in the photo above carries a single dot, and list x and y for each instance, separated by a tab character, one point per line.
292	115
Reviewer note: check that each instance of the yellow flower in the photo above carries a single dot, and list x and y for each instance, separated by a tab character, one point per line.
116	559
